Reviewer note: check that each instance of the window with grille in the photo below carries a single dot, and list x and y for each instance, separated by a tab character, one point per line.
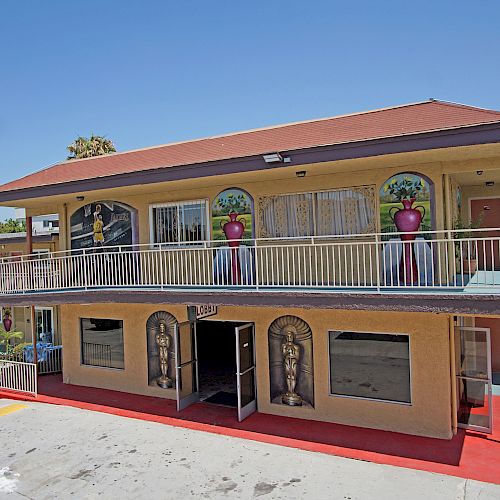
182	222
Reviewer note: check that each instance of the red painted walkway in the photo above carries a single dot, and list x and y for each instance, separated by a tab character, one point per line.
469	454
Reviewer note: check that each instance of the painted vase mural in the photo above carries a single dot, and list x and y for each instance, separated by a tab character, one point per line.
408	220
7	321
405	189
233	230
232	221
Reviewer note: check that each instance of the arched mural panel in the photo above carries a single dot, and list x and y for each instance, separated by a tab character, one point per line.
233	226
161	354
291	362
233	203
103	223
406	186
407	207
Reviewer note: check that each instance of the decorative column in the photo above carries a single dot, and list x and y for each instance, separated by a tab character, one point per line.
29	251
29	235
33	334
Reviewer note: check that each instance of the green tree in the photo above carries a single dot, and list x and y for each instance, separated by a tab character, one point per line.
12	226
6	339
95	145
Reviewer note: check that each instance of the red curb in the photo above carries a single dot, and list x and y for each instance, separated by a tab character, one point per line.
467	455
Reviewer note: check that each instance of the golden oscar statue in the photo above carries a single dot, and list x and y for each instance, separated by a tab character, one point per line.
163	342
291	356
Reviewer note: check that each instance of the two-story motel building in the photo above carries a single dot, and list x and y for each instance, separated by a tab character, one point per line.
313	298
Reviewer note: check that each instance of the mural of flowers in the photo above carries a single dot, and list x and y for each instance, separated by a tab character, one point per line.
232	201
404	186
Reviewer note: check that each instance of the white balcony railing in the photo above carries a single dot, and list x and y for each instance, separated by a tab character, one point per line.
18	376
467	260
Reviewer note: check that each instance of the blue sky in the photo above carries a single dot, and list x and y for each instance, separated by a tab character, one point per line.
151	72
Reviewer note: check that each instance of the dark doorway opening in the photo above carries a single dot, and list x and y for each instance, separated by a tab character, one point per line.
216	345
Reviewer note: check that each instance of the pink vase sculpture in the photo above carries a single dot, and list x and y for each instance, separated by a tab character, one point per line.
408	220
234	229
7	323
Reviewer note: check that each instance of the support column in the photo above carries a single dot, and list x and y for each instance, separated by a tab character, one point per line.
29	251
33	335
29	235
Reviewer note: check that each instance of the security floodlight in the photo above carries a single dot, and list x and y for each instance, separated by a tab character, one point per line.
275	158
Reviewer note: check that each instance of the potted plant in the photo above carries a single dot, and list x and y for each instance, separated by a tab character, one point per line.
465	253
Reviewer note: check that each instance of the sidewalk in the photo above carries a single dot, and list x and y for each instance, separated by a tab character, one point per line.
468	455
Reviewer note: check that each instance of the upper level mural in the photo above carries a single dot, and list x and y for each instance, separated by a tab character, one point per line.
103	223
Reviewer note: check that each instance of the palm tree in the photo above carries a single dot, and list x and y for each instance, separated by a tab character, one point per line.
95	145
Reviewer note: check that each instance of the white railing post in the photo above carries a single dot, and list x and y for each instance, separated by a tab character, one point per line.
85	270
377	261
257	264
18	376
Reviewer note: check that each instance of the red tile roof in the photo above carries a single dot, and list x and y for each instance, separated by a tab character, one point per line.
407	119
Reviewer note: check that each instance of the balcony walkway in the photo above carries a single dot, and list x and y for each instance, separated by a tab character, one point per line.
469	454
436	262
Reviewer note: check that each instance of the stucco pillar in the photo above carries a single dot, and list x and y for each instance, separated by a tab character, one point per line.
29	251
33	334
29	235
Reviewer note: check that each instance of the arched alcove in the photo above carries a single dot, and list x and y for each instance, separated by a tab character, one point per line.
152	331
300	336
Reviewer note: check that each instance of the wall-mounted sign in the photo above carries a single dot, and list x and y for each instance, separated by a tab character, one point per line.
201	311
103	223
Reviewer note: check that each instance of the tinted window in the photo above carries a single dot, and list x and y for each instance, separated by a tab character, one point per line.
370	365
102	342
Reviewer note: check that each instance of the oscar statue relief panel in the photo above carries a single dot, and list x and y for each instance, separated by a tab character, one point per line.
291	362
161	356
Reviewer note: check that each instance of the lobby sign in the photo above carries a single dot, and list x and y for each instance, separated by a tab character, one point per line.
201	311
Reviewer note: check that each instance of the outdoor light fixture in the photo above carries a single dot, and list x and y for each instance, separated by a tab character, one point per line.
479	172
490	183
80	198
301	173
276	158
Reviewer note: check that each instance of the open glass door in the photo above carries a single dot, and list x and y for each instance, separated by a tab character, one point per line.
245	370
186	363
474	393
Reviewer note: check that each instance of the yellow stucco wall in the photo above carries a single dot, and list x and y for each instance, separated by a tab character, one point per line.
20	246
428	415
255	185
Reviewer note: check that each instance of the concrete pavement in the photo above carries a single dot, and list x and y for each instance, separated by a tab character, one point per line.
60	452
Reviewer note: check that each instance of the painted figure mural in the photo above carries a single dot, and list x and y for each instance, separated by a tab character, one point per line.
232	222
161	356
291	362
103	223
400	213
